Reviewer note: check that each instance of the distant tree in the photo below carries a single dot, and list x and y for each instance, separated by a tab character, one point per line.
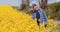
22	1
43	4
27	3
23	5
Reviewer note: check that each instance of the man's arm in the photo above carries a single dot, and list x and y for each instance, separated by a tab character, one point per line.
44	15
33	15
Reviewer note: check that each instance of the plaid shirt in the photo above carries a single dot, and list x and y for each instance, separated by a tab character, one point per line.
43	16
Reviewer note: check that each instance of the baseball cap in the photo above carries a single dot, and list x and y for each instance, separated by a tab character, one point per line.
33	5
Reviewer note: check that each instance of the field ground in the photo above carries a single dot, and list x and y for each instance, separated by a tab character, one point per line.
58	22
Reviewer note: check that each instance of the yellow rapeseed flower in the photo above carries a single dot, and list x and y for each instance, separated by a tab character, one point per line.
14	21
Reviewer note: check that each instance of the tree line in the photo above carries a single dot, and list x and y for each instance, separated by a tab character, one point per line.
42	3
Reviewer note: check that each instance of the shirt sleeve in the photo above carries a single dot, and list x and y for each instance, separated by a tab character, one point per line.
33	16
44	15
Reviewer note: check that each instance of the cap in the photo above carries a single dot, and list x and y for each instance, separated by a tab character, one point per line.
33	5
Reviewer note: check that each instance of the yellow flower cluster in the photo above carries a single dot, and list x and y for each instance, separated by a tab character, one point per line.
51	26
14	21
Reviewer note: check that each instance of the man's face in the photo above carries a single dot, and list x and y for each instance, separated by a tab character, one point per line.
35	8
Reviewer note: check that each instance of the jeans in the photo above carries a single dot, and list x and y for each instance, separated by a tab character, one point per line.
38	22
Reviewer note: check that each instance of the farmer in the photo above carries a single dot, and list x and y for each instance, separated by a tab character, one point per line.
39	14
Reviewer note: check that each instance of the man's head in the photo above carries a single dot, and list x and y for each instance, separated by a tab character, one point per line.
35	7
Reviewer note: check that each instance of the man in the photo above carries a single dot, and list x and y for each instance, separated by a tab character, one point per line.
39	14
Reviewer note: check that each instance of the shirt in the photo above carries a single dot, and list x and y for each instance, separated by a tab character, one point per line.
43	17
37	14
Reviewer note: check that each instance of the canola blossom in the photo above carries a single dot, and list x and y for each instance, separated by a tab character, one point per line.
14	21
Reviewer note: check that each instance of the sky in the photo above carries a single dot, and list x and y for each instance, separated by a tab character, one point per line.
18	2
